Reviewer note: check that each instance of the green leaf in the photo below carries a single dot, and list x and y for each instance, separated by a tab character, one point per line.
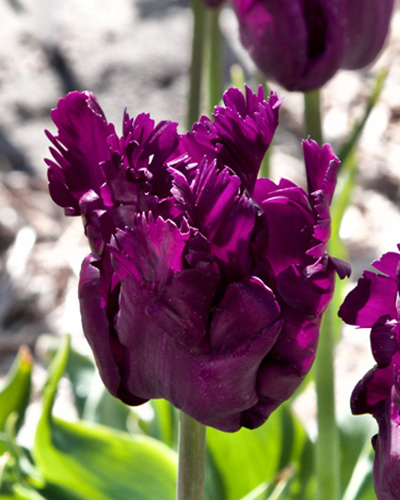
102	408
357	457
96	462
358	127
355	446
248	458
16	393
81	372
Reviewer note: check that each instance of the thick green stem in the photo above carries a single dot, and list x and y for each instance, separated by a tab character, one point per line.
196	68
192	459
327	447
312	115
214	39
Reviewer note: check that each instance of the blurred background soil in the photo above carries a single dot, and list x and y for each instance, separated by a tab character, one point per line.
135	54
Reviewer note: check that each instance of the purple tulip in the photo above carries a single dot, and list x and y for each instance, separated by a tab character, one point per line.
302	44
205	286
374	304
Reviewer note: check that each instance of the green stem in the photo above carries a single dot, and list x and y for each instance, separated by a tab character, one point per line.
192	458
327	464
327	446
312	115
214	39
196	68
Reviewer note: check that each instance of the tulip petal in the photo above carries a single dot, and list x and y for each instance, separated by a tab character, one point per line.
80	147
247	309
239	136
373	297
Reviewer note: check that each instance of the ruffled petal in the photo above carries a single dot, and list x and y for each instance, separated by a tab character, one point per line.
321	168
80	148
239	136
223	215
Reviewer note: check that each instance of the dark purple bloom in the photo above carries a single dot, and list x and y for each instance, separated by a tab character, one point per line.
302	44
205	286
374	304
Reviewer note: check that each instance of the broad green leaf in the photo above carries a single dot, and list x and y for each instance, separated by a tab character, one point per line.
96	462
81	372
247	458
15	395
215	487
92	401
102	408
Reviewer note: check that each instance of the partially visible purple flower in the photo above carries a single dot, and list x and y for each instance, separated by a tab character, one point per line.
302	44
374	304
205	286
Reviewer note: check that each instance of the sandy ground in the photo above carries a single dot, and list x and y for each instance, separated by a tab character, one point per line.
135	54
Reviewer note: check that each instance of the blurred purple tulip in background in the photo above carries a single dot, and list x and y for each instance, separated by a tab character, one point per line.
302	44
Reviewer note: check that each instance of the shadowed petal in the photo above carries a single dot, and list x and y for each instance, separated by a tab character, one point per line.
109	353
387	450
246	311
372	390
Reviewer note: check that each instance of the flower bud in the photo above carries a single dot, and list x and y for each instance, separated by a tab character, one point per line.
301	44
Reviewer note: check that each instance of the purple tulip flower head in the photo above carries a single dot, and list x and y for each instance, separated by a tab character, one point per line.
301	44
205	285
374	304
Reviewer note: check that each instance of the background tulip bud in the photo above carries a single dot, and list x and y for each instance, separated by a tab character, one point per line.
302	44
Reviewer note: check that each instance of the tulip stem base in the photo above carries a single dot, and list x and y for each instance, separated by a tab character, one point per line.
196	69
214	59
192	459
312	115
